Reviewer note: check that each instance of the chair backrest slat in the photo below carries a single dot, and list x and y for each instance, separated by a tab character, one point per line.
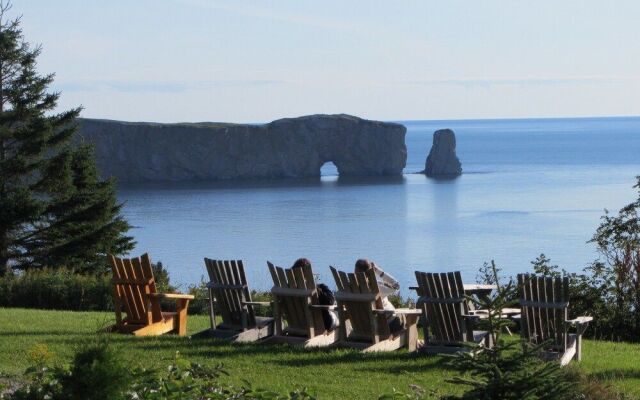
545	303
301	293
443	303
133	282
234	279
230	290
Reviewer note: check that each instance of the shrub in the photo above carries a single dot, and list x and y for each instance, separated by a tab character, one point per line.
59	289
402	302
617	272
66	289
199	305
96	373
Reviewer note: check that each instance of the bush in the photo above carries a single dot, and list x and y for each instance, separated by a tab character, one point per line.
96	373
402	302
59	289
66	289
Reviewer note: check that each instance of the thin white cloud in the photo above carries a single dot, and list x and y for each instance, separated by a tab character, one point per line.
156	87
534	81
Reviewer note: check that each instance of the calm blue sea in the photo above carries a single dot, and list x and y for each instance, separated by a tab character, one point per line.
529	186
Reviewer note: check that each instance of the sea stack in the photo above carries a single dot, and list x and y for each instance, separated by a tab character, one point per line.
442	161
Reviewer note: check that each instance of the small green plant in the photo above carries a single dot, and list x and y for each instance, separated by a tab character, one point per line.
96	373
402	302
40	355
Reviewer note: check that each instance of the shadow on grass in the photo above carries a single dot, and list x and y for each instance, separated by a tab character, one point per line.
36	333
280	354
289	355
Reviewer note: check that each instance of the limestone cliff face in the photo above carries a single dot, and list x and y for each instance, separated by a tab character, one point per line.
442	160
286	148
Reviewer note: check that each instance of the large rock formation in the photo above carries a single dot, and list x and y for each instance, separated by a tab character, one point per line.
286	148
442	161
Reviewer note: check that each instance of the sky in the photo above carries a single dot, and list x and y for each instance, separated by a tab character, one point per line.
255	61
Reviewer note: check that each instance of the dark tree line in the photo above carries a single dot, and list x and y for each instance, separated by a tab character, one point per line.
54	208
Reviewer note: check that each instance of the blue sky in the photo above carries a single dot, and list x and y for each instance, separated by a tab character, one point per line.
242	61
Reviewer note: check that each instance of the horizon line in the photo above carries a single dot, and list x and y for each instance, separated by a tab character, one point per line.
463	119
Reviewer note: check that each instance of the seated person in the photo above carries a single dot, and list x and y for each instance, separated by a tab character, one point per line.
388	286
325	298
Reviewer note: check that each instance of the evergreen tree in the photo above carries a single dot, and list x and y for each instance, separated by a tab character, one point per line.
41	174
84	222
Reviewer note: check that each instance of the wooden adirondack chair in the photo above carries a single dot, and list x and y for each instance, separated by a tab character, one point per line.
298	316
135	294
447	320
363	321
228	288
545	317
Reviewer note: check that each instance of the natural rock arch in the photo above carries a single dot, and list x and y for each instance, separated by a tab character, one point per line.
286	148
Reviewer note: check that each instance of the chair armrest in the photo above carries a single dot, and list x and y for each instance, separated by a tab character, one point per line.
256	303
579	321
399	311
505	313
323	307
511	310
408	311
176	296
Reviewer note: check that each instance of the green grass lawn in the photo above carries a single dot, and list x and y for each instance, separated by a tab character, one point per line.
331	373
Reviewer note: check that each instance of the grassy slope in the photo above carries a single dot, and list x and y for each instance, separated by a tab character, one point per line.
331	373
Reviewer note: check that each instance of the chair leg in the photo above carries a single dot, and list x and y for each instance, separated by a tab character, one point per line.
180	320
244	317
277	318
212	313
342	328
578	356
412	332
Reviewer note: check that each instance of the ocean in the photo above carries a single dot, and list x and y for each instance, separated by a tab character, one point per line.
529	186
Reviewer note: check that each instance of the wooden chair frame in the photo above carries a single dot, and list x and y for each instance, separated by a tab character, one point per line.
228	290
134	293
545	317
297	312
448	323
363	321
